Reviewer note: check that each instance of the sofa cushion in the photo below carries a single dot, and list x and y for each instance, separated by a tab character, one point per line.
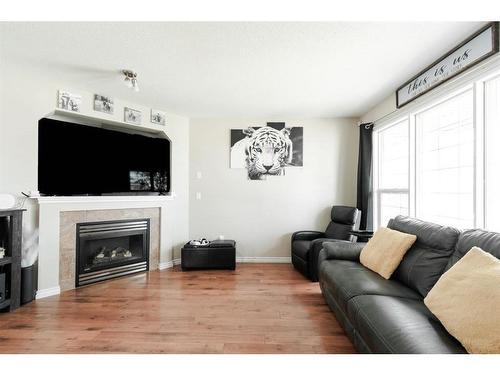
390	324
346	279
426	260
385	250
342	250
466	300
300	248
487	241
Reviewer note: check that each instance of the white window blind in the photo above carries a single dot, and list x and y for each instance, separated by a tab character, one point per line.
445	162
393	162
492	153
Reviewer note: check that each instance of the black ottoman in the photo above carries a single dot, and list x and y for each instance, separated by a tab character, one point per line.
220	254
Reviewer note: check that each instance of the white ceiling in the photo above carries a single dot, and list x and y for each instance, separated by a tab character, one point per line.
238	69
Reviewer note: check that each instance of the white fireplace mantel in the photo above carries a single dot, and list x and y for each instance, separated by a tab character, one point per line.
49	212
103	199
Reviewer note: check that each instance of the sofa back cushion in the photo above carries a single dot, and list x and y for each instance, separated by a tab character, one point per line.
426	260
487	241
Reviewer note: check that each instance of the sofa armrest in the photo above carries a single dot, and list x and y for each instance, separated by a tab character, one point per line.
316	248
307	235
342	250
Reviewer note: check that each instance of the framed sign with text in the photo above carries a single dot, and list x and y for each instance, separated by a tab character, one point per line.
475	49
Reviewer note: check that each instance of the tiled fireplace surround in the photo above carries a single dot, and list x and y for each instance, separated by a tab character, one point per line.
57	218
67	237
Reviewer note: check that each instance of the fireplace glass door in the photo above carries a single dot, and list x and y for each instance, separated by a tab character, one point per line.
110	249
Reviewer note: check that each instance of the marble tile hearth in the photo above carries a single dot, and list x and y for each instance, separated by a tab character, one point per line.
67	237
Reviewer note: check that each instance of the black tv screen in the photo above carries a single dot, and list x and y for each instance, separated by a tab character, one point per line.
76	159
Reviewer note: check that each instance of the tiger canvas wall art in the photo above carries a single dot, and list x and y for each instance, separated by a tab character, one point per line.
266	150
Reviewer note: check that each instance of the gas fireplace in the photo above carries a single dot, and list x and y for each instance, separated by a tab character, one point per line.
110	249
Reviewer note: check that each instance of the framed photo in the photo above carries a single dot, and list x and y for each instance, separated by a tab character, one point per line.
103	104
157	117
69	101
133	116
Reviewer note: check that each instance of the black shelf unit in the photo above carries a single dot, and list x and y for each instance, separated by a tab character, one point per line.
10	265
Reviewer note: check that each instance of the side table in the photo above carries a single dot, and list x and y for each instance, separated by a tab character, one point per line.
362	235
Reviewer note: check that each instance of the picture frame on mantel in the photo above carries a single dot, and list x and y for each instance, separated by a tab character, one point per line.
69	101
132	116
476	48
157	117
104	104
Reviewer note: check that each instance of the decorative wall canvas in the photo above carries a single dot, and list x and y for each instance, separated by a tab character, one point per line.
104	104
133	116
69	101
267	150
157	117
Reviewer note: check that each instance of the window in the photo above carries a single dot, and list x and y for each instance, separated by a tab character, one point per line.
392	177
445	162
492	153
440	161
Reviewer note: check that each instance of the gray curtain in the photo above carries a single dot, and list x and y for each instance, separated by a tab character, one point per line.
364	198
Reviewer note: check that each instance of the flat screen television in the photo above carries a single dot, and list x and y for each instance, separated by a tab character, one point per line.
76	159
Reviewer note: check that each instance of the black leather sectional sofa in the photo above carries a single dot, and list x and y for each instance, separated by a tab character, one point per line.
389	316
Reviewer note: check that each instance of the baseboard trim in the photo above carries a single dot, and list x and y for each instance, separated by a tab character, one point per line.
165	265
169	264
176	262
43	293
263	259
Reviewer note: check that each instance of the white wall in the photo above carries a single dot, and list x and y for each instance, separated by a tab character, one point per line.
261	215
382	109
29	93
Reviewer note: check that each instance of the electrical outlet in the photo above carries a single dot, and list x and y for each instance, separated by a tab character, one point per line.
198	196
198	175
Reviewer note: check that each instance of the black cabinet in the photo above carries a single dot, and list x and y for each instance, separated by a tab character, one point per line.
10	264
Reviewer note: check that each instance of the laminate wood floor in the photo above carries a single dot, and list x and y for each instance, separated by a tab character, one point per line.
259	308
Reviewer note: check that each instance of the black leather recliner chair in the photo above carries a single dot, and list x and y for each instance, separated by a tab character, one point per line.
306	245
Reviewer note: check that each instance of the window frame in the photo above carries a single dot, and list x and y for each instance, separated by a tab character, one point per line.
376	171
483	148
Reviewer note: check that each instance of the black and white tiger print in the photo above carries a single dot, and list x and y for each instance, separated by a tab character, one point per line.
267	151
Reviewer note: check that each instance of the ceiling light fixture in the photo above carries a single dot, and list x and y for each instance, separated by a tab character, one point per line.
131	79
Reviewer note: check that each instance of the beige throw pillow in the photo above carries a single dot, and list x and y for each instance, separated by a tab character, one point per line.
385	250
466	299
